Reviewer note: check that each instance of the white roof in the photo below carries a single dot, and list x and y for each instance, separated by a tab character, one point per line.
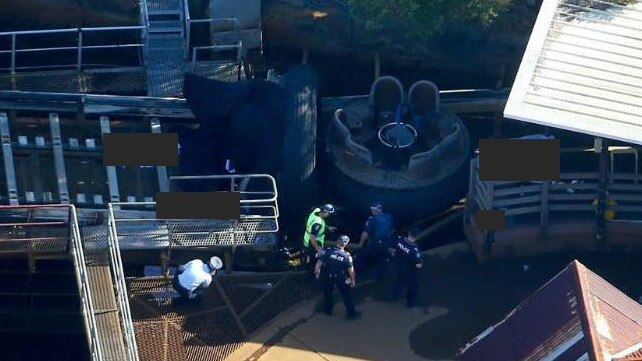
582	69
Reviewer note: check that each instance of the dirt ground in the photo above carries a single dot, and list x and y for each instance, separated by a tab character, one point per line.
459	299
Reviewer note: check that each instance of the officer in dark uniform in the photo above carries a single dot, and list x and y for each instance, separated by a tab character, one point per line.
334	268
408	261
375	241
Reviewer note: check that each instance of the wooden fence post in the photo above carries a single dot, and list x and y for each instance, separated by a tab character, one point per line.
544	211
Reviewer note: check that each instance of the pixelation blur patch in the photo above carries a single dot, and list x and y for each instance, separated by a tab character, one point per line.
140	149
198	205
490	220
519	159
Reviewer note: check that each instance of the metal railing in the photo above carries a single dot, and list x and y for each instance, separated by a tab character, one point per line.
76	249
82	277
122	300
79	48
257	224
238	43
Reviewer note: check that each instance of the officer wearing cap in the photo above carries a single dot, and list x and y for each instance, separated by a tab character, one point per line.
192	278
334	268
315	231
375	240
408	261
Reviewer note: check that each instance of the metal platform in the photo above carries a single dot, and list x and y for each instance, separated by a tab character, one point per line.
233	308
25	230
258	222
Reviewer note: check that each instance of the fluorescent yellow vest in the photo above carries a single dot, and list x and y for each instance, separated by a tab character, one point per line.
312	219
609	212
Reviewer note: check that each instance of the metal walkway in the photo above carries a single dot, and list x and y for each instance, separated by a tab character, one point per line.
258	223
165	46
29	229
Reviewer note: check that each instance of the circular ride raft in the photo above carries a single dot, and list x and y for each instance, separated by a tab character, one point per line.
403	151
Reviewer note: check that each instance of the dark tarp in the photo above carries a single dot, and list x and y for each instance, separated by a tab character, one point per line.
242	121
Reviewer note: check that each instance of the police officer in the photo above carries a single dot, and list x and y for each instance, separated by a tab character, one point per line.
192	278
375	241
315	232
334	268
408	261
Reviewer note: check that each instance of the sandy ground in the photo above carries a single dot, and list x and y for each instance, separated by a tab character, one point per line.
459	299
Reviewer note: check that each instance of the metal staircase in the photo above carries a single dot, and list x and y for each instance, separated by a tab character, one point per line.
105	320
171	47
30	230
165	46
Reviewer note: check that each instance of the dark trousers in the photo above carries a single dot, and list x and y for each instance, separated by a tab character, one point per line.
372	256
410	280
346	293
310	259
186	294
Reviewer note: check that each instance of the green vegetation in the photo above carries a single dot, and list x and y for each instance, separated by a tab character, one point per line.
424	18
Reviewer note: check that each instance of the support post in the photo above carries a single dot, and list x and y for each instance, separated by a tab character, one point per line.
9	170
497	123
112	178
602	188
544	211
490	235
59	160
163	180
377	65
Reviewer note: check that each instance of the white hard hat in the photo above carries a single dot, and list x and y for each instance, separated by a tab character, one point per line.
216	263
343	239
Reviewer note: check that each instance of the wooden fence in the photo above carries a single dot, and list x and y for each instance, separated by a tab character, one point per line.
572	197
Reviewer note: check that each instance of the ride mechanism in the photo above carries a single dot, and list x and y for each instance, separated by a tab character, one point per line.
51	145
97	233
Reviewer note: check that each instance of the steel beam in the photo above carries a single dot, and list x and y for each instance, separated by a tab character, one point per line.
7	152
112	177
56	141
163	179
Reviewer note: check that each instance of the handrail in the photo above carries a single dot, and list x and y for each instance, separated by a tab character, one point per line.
82	279
79	47
188	29
121	290
261	214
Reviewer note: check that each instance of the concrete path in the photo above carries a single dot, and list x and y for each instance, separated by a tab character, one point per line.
301	335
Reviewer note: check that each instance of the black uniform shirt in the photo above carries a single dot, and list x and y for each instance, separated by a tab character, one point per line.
379	228
336	263
407	255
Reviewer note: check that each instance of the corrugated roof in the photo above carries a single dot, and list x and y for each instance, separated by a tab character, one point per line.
574	313
582	69
542	322
632	356
616	319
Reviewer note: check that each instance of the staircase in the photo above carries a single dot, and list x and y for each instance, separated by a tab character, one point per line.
110	334
165	48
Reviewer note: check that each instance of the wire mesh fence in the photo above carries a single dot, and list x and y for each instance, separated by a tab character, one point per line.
232	309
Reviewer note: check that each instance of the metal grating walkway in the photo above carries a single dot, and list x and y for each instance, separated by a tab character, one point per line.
105	310
165	48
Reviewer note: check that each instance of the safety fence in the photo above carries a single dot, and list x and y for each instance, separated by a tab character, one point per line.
71	48
28	229
233	308
545	202
258	222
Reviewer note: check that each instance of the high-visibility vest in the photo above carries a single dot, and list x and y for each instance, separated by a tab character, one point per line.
609	212
313	218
